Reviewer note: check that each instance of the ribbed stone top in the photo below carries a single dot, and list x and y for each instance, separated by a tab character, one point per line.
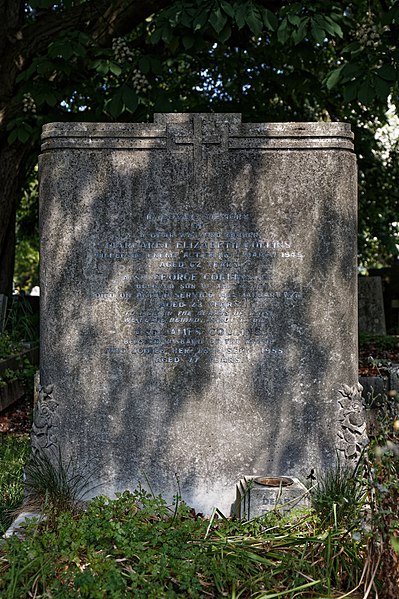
203	128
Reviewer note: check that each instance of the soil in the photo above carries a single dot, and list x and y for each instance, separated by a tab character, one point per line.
18	417
372	361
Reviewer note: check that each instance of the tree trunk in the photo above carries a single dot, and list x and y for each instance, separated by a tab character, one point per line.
13	160
20	42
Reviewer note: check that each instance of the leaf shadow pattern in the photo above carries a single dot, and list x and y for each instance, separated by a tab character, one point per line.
197	217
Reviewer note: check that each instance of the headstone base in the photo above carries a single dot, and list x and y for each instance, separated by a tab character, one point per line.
257	495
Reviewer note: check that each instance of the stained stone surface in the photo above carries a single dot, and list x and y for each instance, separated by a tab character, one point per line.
254	499
199	301
371	306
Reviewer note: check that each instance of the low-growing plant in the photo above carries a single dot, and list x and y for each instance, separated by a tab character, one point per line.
137	545
14	452
338	496
21	322
382	479
54	486
9	346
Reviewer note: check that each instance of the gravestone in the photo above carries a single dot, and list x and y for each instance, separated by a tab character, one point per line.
199	302
371	306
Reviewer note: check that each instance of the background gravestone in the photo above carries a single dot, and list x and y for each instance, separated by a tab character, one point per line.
199	301
371	306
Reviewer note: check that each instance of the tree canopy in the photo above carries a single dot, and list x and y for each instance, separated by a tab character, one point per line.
271	60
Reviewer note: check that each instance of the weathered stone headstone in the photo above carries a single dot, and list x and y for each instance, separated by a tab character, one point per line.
371	306
199	305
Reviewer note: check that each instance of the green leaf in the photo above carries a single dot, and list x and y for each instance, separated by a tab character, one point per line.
228	9
115	69
186	19
115	106
392	16
200	19
353	47
51	99
350	91
270	20
240	14
45	66
145	64
188	41
225	34
129	98
79	50
317	33
387	72
101	66
13	136
156	36
382	88
254	20
61	48
300	33
23	134
217	20
156	65
351	70
282	32
333	27
294	19
366	93
333	77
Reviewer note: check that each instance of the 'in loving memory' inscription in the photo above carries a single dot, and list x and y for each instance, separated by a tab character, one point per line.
194	285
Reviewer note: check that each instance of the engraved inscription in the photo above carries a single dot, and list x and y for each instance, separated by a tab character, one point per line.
184	287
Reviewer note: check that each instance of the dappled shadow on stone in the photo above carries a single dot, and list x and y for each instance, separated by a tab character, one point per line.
198	299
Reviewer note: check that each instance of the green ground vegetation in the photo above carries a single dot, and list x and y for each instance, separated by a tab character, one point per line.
137	545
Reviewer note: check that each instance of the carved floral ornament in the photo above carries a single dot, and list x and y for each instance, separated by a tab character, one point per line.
352	423
45	422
